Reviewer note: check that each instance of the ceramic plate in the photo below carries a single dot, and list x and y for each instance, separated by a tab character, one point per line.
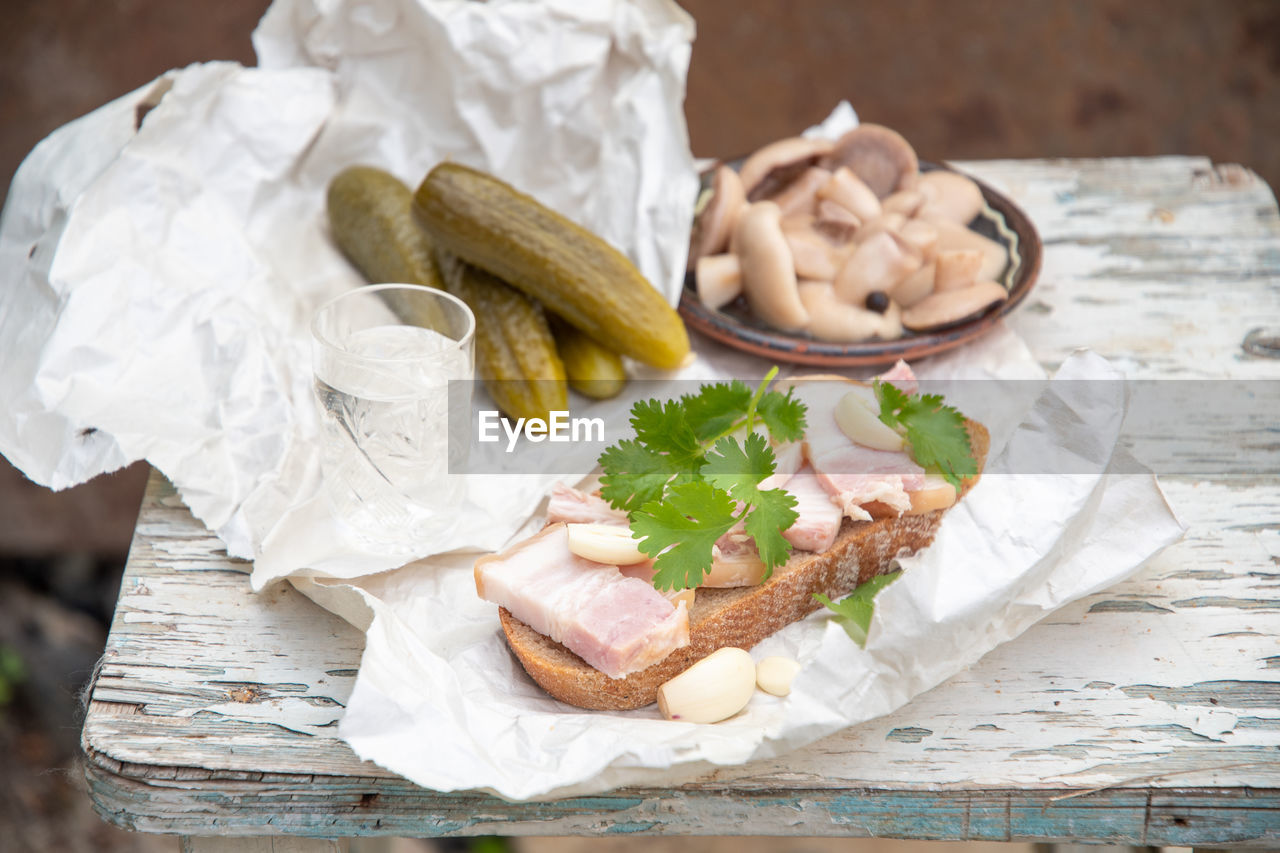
1000	219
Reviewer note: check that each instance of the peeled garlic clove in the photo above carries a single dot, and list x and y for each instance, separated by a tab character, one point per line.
713	689
937	493
734	567
863	427
775	674
610	544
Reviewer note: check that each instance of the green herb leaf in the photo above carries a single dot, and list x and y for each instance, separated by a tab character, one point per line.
634	474
853	612
935	431
738	468
783	414
680	531
715	409
685	480
664	429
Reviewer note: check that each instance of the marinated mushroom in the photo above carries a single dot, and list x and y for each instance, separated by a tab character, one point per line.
952	236
921	237
948	195
877	264
957	268
833	319
715	223
848	190
768	270
949	307
813	255
906	202
775	165
914	287
881	157
835	222
801	195
718	279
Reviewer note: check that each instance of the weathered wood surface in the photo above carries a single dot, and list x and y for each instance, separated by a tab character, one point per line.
1146	714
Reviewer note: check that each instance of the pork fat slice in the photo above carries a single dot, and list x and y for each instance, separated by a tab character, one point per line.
573	505
817	516
615	623
851	474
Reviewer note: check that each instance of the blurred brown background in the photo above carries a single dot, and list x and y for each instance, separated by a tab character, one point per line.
978	79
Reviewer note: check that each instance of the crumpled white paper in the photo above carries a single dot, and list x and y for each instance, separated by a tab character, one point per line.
440	699
158	284
157	290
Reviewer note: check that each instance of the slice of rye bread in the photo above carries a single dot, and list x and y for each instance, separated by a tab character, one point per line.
741	616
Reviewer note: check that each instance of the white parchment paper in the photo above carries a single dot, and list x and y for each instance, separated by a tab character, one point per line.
157	282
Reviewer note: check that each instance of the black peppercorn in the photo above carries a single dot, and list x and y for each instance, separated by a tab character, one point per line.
878	301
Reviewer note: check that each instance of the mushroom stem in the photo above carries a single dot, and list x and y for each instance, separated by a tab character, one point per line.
768	270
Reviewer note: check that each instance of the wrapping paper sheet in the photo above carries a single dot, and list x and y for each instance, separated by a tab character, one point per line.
157	289
158	284
440	699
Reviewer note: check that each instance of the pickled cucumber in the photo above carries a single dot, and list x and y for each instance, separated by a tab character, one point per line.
593	370
515	353
571	271
370	221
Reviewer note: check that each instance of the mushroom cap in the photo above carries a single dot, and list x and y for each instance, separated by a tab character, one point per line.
949	195
850	192
877	264
715	223
948	307
881	157
768	271
995	257
787	157
801	195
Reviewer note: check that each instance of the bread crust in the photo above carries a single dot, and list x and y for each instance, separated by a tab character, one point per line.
741	616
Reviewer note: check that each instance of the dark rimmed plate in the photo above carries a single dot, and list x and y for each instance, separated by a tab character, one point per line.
1001	220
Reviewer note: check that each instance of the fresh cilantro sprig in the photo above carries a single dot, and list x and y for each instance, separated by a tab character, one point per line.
934	431
686	479
853	612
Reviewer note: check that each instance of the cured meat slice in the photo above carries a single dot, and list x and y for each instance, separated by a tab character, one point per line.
617	624
573	505
817	516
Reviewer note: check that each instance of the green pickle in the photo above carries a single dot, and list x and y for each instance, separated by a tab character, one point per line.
515	352
594	371
572	272
370	218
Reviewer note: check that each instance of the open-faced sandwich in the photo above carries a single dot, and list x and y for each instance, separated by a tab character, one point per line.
720	522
